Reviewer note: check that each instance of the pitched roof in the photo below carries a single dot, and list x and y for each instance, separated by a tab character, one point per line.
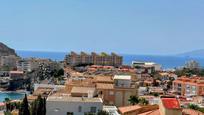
82	89
105	79
104	86
123	77
138	109
191	112
154	112
170	103
128	108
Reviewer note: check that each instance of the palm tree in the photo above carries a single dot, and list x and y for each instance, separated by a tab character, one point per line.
133	100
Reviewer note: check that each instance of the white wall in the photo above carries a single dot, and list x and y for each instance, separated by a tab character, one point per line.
123	83
65	107
56	87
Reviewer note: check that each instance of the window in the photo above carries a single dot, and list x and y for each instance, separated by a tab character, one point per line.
56	109
93	110
79	109
111	93
70	113
188	86
111	102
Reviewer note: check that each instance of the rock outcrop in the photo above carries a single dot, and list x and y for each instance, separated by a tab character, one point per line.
5	50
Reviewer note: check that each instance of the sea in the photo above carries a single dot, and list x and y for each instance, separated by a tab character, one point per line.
167	62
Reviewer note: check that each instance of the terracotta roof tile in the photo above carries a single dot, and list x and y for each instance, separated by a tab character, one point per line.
191	112
104	86
128	108
170	103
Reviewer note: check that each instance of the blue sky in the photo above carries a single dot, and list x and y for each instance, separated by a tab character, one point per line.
159	27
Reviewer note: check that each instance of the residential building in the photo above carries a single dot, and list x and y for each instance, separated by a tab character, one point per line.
189	86
151	99
192	64
122	81
112	110
165	76
118	92
17	79
167	106
83	92
142	91
113	90
24	65
136	109
4	83
146	67
15	75
158	90
54	87
29	64
66	105
93	58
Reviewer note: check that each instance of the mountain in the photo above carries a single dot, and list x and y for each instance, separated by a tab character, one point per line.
195	53
5	50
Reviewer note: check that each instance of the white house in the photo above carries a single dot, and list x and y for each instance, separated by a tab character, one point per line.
112	110
55	87
66	105
122	80
149	66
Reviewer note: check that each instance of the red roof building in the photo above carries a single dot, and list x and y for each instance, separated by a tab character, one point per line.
170	103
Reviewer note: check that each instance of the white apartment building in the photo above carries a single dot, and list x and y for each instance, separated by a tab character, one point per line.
146	66
27	64
66	105
122	81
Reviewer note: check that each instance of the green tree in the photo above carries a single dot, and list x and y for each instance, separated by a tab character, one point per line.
155	94
41	106
7	101
34	107
44	105
38	107
60	72
7	113
193	106
133	100
24	109
143	101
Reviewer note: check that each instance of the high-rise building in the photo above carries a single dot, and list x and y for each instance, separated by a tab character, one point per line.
93	58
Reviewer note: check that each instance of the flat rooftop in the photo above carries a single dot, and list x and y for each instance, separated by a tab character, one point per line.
67	98
16	72
107	79
82	89
104	86
123	77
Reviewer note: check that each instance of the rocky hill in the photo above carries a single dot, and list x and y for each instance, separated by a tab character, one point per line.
195	53
5	50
